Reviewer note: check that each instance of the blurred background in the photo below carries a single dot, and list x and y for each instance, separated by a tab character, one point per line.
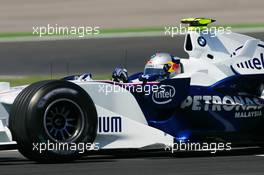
136	32
17	15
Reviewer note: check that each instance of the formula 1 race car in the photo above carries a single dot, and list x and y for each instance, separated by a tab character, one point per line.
218	97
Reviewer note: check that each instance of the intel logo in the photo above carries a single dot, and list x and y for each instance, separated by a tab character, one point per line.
255	63
164	95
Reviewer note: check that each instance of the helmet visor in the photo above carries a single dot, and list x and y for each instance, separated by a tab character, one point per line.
154	71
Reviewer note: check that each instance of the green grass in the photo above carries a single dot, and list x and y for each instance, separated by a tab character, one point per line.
17	81
127	30
15	34
102	31
132	30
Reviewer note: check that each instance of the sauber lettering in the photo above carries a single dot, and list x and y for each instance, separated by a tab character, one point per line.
111	124
254	63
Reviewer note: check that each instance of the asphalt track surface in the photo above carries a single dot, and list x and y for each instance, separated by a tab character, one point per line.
98	56
242	162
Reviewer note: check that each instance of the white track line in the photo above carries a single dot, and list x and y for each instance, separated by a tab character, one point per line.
260	155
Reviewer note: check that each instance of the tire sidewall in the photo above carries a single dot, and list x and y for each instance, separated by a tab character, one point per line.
45	96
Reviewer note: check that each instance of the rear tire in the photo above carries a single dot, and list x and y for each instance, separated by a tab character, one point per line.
53	112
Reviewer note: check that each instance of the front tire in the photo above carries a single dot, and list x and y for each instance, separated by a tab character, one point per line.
53	112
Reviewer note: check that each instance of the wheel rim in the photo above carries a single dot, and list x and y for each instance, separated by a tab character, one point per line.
63	120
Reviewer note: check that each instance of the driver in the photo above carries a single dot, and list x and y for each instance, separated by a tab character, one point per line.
160	66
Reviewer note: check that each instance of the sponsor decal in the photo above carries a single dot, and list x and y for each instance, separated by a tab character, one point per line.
201	41
254	63
109	124
243	106
248	114
164	94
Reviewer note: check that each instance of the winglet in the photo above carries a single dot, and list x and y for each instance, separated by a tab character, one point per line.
248	49
197	22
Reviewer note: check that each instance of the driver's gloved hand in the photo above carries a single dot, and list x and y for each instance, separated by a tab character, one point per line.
120	75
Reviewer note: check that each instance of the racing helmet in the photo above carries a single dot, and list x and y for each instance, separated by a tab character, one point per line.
163	64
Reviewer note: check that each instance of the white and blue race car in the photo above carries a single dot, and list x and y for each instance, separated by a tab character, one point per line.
216	97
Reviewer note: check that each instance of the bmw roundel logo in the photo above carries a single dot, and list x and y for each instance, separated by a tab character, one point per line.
201	41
